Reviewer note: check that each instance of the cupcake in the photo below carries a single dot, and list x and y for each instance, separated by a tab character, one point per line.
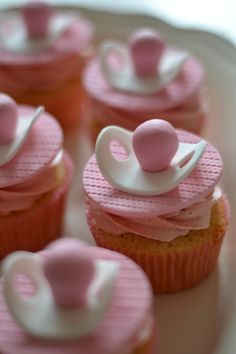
35	174
86	302
130	83
153	196
42	54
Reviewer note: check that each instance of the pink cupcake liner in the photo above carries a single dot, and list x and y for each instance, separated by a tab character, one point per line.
32	229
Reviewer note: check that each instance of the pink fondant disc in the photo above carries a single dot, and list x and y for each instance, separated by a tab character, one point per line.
178	91
38	151
128	312
198	184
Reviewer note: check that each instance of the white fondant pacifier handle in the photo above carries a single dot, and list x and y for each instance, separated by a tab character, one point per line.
24	125
107	163
29	265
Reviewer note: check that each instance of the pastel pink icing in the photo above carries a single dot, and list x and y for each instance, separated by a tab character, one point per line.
146	48
69	272
8	119
37	15
155	143
129	314
163	228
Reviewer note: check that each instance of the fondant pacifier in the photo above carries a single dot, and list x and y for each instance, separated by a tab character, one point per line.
14	128
156	161
40	30
72	290
147	64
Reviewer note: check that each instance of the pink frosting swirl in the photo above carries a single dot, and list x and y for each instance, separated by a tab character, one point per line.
185	116
23	195
163	228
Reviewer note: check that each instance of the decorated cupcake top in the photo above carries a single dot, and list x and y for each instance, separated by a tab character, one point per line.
80	301
39	33
30	151
156	170
30	139
143	74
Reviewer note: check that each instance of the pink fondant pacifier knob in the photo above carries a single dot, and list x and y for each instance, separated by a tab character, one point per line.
155	143
8	119
146	47
69	272
37	15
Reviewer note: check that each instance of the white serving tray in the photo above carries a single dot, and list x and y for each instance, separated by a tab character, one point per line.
201	320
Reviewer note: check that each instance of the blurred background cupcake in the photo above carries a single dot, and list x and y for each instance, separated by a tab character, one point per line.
35	174
131	82
154	197
42	54
89	300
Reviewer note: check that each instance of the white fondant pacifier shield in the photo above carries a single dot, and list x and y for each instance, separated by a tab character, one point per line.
155	164
39	30
147	66
8	151
40	314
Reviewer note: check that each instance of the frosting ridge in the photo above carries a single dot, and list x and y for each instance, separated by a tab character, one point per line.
22	195
163	228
